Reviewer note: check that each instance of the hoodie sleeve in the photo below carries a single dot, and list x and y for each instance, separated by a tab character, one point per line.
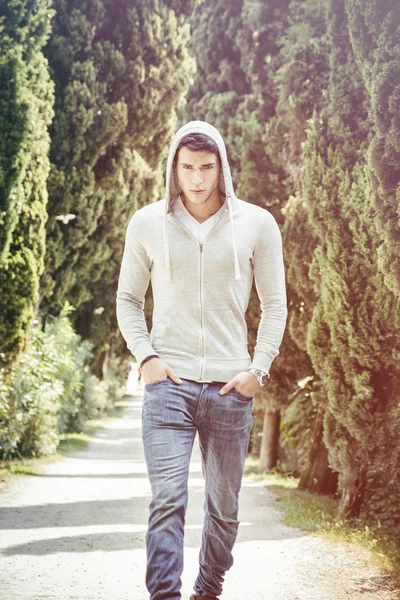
269	275
133	282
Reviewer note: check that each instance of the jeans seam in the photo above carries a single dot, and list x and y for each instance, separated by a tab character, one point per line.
206	537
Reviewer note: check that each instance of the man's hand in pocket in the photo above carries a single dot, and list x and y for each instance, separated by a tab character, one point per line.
157	369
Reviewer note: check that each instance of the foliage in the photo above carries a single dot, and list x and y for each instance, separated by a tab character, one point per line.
120	69
26	100
352	333
297	427
374	32
50	390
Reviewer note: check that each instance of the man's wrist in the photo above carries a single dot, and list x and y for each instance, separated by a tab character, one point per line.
262	376
148	358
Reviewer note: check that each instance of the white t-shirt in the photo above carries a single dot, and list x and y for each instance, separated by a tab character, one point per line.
199	230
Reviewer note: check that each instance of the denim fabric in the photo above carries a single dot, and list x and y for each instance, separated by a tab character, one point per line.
171	415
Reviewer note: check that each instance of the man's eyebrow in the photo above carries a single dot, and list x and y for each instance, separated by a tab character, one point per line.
203	165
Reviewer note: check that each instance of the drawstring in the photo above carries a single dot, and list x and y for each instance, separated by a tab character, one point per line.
237	268
166	245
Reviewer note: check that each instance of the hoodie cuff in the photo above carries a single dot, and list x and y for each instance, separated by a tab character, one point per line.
143	350
262	361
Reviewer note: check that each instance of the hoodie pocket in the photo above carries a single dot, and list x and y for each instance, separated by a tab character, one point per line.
224	338
163	327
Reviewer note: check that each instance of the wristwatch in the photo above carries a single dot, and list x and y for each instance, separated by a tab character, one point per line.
262	376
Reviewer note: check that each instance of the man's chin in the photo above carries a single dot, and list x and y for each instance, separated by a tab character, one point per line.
197	198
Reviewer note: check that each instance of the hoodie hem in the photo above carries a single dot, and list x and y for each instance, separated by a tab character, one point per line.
213	369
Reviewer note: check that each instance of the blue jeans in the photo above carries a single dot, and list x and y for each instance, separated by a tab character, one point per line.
172	413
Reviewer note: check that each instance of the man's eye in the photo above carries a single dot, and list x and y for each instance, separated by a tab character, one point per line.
205	167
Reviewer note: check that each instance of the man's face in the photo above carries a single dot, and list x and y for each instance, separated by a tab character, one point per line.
197	170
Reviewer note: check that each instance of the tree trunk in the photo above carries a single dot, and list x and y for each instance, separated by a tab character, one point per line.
318	477
352	499
106	359
270	440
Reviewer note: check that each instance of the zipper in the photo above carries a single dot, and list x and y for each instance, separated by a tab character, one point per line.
201	312
201	286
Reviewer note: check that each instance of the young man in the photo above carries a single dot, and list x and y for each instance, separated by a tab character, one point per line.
201	247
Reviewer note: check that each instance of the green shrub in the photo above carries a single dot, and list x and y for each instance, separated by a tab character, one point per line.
50	390
30	402
116	373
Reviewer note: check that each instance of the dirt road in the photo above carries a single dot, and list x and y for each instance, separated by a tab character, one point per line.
77	531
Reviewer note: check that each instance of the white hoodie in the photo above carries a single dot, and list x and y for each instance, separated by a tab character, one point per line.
201	291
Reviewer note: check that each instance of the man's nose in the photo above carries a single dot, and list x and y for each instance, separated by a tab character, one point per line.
197	176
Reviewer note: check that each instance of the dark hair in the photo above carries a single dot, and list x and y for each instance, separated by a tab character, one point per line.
197	142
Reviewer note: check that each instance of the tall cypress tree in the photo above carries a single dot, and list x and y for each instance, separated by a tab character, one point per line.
26	100
301	81
302	78
220	82
374	29
121	69
264	178
351	334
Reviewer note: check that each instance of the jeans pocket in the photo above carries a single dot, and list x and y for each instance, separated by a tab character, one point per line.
242	396
154	383
153	404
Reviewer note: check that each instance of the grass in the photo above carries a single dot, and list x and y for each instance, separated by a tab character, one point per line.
318	515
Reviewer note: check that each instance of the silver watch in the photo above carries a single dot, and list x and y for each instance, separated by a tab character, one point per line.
262	376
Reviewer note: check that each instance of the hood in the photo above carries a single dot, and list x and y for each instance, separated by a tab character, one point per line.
225	183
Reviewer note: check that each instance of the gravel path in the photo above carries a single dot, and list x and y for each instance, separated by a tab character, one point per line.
77	531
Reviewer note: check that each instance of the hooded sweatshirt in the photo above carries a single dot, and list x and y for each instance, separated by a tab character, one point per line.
201	290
